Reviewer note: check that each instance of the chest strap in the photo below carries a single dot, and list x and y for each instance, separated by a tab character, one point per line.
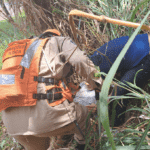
45	80
51	95
55	93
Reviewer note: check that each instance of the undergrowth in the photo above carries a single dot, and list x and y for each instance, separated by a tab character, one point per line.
8	34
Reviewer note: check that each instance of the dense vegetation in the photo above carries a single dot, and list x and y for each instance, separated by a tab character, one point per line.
31	17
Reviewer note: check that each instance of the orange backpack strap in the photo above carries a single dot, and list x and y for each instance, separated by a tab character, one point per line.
27	59
74	87
65	91
50	33
56	93
35	46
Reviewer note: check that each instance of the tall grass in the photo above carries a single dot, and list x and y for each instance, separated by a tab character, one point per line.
129	10
124	10
103	104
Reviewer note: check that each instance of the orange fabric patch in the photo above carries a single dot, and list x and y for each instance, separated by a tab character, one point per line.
53	31
66	93
49	87
14	50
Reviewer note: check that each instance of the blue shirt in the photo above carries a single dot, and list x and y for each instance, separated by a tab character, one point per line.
136	52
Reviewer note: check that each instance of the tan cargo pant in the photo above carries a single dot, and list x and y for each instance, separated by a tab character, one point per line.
42	141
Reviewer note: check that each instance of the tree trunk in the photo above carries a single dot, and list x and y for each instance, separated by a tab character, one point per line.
46	6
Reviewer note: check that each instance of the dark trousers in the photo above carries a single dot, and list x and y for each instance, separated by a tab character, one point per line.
128	75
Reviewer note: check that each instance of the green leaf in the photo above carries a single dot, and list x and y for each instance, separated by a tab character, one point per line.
137	109
97	74
2	144
136	76
145	147
136	9
133	131
138	147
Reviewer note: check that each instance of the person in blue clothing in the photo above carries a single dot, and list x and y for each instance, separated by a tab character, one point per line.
137	57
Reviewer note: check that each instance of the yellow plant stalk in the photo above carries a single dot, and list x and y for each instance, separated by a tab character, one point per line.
101	18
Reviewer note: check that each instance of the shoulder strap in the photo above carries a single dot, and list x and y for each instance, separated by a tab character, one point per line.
30	52
50	33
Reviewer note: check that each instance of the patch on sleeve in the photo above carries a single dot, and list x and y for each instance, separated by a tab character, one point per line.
14	50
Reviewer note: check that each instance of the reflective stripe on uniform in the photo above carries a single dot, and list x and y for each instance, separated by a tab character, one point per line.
27	58
7	79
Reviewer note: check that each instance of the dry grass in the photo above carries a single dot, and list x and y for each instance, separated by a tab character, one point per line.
55	15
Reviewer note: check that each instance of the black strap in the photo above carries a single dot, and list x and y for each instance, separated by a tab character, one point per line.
97	95
51	95
22	73
45	80
48	96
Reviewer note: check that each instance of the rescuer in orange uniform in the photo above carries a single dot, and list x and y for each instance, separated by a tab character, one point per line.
37	102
